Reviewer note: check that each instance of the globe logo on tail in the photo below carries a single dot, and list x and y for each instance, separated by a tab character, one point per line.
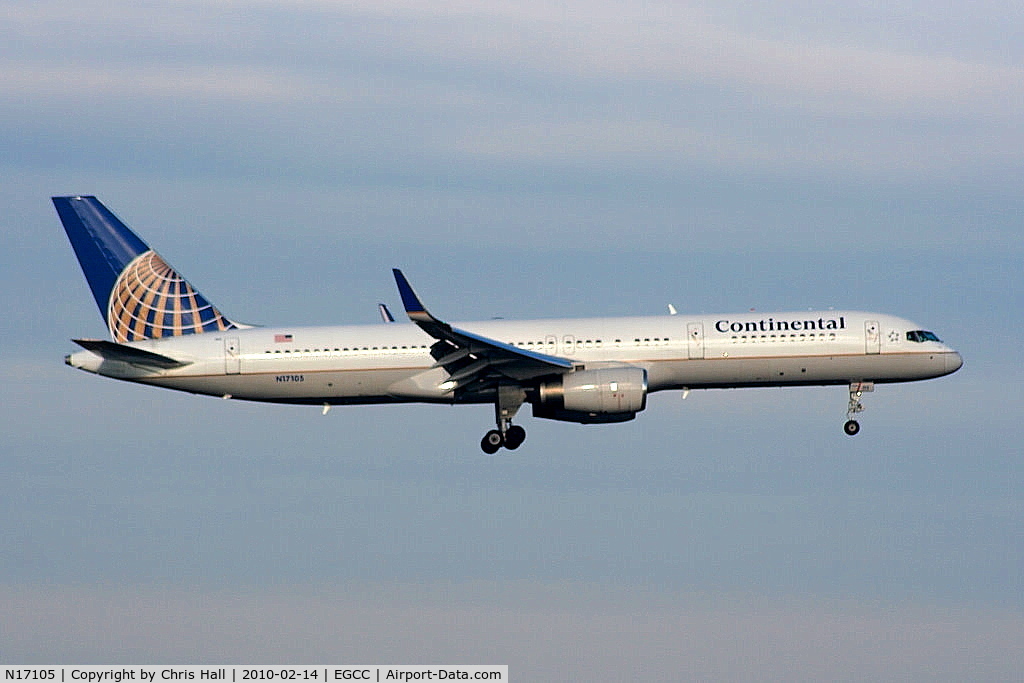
150	300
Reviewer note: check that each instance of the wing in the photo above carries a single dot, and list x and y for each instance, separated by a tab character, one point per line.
475	362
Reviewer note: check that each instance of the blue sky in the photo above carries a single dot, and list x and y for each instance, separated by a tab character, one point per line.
519	160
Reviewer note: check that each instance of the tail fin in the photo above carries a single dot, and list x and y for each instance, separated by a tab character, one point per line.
139	295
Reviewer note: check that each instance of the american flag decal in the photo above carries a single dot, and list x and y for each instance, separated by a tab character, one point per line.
279	338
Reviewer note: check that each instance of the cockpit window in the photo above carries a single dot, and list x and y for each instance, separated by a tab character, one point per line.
922	336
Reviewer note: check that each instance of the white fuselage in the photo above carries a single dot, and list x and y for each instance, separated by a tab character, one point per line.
387	363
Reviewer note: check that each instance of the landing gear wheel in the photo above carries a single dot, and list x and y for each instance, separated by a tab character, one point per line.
851	427
491	442
514	437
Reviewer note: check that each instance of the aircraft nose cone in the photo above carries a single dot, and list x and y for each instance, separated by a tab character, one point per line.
953	362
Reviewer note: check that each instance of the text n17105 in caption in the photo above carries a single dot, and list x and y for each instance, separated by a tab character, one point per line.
375	673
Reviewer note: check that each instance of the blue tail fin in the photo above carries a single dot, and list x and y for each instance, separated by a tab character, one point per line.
139	295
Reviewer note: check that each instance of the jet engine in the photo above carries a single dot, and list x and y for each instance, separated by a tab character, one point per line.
593	396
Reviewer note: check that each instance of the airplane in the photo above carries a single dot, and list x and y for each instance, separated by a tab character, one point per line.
583	370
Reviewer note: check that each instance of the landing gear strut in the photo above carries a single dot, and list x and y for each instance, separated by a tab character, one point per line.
857	389
510	398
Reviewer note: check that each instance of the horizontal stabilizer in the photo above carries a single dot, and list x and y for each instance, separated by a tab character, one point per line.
128	354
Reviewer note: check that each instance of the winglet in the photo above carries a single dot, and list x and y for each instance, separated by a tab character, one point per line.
413	306
385	314
486	352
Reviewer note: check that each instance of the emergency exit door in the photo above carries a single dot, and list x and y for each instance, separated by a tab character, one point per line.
232	356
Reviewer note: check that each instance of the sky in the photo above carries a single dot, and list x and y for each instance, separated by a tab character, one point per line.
521	160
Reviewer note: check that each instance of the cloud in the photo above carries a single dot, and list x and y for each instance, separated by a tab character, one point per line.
682	43
404	89
542	631
654	42
123	80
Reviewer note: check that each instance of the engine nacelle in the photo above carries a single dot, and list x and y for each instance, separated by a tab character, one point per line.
593	396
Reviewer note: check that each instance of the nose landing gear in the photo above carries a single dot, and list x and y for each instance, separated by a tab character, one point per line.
857	389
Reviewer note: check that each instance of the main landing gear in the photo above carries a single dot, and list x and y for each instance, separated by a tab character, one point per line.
512	439
857	389
511	436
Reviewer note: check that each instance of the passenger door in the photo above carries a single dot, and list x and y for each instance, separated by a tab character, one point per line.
695	334
872	336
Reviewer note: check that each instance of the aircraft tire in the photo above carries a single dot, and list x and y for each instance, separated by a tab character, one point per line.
514	437
851	427
491	442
